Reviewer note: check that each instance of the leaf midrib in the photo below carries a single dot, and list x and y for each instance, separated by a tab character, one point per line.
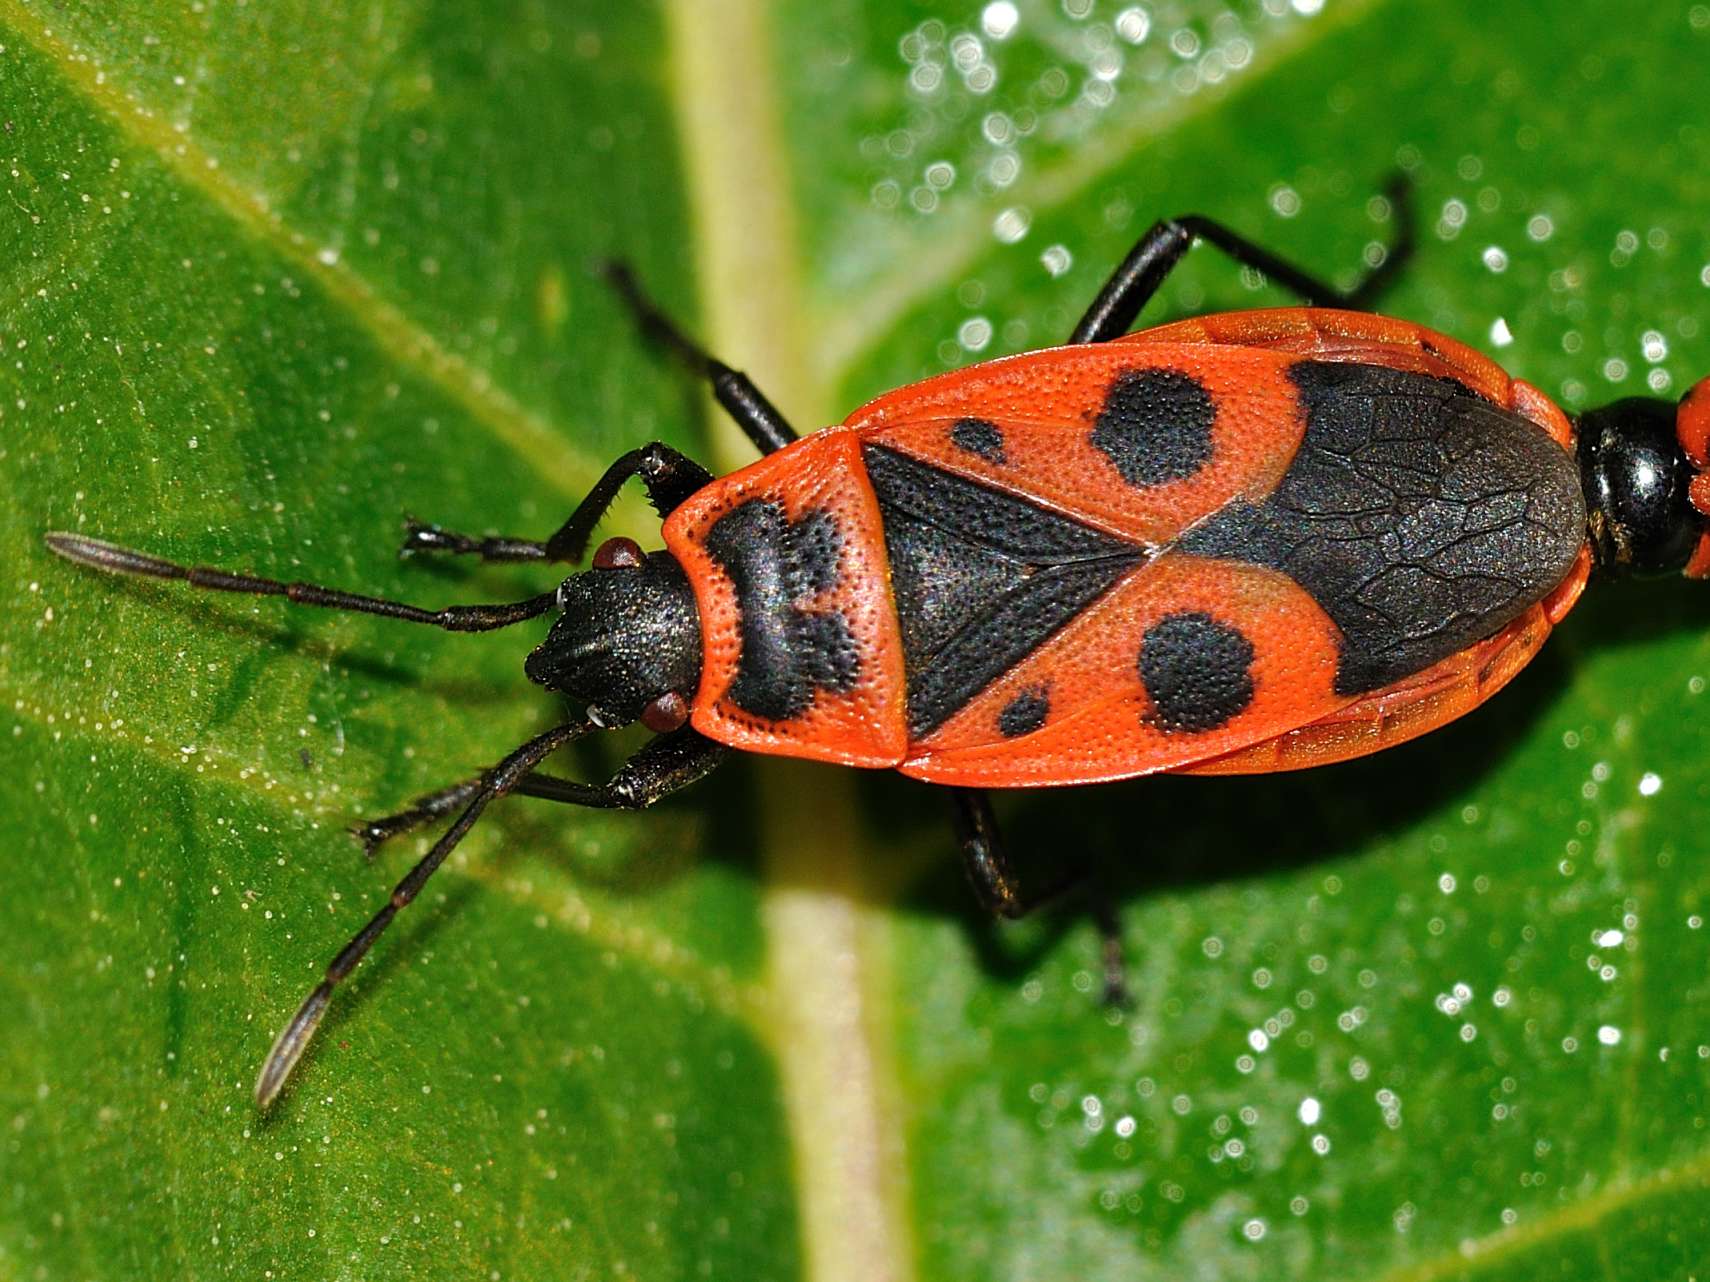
851	1186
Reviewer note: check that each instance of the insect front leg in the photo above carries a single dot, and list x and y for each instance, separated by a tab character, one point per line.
373	833
1156	254
660	768
669	476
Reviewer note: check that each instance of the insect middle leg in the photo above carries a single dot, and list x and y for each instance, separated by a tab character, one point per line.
1140	275
985	859
760	420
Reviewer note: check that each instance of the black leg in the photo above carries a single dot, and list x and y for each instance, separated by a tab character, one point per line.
453	618
373	833
986	861
421	536
662	766
985	858
294	1038
1156	253
670	477
1103	909
758	418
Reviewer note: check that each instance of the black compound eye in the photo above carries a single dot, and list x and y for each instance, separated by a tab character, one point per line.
619	554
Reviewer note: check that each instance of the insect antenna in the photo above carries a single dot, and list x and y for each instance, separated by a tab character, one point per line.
454	618
294	1038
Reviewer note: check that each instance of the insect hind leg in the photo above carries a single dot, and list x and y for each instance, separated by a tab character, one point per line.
1156	254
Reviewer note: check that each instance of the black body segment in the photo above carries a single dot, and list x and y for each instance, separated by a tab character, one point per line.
777	566
980	577
1420	516
1636	487
625	637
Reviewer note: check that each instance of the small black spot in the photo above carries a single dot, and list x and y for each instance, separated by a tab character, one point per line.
979	436
1197	671
1025	713
1155	425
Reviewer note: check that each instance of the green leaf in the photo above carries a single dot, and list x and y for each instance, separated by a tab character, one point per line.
272	276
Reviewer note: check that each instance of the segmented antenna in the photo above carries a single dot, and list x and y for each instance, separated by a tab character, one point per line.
510	773
454	618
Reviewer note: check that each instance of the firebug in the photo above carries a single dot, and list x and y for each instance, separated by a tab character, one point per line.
1246	542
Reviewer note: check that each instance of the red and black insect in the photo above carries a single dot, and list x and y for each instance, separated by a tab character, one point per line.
1249	542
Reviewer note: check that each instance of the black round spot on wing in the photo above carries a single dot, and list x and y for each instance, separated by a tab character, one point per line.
1025	713
979	436
1198	672
1155	425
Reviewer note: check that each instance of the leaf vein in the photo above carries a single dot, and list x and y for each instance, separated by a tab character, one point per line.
1578	1216
847	328
712	984
393	331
